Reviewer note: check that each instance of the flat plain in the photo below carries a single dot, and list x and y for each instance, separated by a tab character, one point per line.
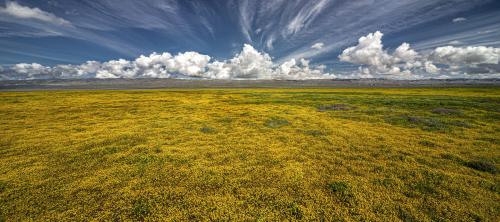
367	154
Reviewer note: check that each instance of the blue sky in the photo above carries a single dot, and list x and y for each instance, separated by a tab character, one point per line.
56	32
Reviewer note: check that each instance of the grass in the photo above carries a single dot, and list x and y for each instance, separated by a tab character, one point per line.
251	155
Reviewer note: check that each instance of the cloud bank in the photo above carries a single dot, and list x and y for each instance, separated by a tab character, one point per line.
406	63
466	56
248	64
369	52
373	60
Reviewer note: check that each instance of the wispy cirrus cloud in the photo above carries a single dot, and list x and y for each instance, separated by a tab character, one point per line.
482	29
318	45
341	23
459	19
306	15
13	9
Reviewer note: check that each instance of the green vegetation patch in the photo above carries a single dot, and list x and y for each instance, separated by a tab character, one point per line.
482	165
141	209
343	191
207	129
426	123
276	122
447	111
336	107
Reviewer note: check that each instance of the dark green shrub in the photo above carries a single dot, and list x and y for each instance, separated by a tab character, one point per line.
313	133
207	130
427	143
295	211
343	191
446	111
406	216
339	187
482	165
141	209
336	107
276	122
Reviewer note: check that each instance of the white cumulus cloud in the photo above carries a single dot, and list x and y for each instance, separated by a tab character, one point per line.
116	69
156	66
251	64
404	62
301	70
451	55
470	60
189	63
85	70
33	70
370	53
431	68
405	53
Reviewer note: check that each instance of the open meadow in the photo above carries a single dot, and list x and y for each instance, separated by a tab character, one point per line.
422	154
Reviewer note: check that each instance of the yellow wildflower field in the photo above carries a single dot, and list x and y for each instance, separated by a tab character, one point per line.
251	155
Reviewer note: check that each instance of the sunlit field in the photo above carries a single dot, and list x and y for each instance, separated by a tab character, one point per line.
251	155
